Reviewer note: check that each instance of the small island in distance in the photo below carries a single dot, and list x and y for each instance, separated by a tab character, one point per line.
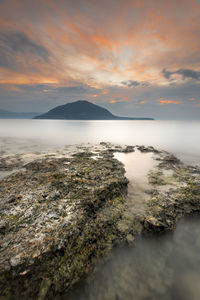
83	110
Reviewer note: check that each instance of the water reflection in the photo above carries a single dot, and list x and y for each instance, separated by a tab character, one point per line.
165	267
137	166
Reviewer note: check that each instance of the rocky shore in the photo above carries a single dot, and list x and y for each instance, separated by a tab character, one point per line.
62	213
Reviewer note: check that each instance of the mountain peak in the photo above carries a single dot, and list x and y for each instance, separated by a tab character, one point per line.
82	101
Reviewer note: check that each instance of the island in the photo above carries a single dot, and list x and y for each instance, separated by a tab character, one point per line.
83	110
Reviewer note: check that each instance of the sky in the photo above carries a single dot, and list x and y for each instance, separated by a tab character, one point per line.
133	57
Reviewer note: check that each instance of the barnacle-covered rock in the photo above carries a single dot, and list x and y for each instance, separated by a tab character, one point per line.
58	216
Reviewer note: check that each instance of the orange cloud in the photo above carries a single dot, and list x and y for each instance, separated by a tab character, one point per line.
105	42
118	98
141	102
164	101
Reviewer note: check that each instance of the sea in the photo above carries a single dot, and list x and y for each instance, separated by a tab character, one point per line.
181	138
164	267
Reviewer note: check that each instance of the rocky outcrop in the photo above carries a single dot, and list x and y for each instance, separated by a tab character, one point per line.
145	149
58	216
178	197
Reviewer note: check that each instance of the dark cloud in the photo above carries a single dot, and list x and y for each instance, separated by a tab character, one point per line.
14	43
166	73
42	97
145	84
130	83
186	73
76	89
133	83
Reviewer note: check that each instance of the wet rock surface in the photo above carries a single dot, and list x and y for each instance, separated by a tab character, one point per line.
62	212
57	217
157	267
176	193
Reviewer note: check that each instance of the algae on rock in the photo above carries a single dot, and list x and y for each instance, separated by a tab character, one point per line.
58	217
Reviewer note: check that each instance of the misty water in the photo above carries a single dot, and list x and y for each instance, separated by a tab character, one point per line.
179	137
159	267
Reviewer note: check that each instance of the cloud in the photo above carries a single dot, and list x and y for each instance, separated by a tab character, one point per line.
16	46
139	102
166	73
135	40
186	73
54	52
134	83
130	83
165	101
76	89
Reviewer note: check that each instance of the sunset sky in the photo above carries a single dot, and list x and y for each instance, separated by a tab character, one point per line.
134	57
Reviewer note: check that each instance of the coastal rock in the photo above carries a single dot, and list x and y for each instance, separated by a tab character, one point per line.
145	149
178	197
9	163
58	222
169	161
129	149
59	216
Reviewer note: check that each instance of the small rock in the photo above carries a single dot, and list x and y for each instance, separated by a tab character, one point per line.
15	261
130	238
129	149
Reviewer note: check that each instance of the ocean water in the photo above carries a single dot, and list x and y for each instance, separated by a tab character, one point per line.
157	268
179	137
